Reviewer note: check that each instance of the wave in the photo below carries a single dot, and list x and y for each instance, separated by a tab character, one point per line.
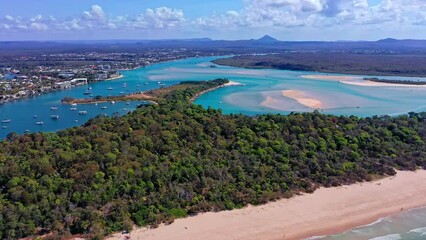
422	231
388	237
380	220
315	238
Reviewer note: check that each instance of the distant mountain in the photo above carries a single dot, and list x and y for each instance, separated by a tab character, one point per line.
263	44
387	40
267	39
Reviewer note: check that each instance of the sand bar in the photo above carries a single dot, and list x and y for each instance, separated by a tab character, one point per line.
303	98
326	211
332	77
359	81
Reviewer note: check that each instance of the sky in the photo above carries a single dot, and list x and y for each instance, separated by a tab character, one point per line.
290	20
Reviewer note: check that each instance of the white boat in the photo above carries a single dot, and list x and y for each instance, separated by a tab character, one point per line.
76	120
74	104
146	83
4	127
54	117
104	107
121	92
82	112
96	104
35	116
158	82
6	121
73	109
112	102
124	85
127	103
40	123
110	88
53	108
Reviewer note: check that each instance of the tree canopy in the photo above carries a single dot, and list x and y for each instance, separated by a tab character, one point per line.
176	159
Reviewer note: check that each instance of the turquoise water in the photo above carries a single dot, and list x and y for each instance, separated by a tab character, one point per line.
22	112
259	85
408	225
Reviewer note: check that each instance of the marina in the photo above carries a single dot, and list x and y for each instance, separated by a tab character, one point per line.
261	93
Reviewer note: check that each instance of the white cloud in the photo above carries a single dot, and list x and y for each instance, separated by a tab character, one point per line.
317	13
97	18
9	18
96	13
277	14
39	26
162	17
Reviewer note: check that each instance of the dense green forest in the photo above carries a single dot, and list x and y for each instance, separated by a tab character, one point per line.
176	159
396	64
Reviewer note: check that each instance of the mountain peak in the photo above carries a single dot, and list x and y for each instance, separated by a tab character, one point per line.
388	40
267	38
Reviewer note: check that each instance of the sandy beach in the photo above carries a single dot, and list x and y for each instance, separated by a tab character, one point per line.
303	98
359	81
326	211
115	78
228	84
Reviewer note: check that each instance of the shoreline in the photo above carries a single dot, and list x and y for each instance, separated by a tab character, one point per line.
114	78
359	81
230	83
138	96
327	211
350	73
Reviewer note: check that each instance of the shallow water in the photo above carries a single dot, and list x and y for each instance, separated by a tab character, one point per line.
408	225
342	99
259	85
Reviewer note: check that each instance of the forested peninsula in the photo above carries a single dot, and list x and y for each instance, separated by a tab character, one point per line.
177	159
397	64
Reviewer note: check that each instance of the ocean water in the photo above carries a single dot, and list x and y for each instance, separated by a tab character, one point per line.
259	86
406	225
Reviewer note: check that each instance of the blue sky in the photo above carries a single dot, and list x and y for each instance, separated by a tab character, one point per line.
218	19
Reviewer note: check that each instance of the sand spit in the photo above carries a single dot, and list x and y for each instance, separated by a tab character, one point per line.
359	81
230	83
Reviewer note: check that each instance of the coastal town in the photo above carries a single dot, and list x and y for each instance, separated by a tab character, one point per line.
25	76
